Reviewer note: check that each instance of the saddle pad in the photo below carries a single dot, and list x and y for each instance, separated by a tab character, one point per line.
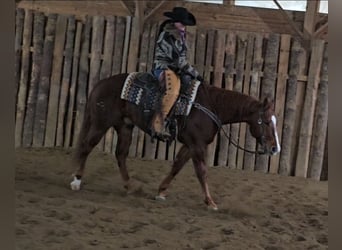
148	99
186	99
129	91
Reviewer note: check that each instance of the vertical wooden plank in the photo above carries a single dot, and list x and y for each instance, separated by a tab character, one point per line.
25	67
95	59
249	159
320	123
82	79
108	48
230	60
118	54
38	41
290	110
55	84
149	146
43	92
309	108
19	27
67	67
132	67
209	56
218	58
96	51
106	71
239	66
310	19
300	96
152	44
142	65
126	44
246	83
219	48
118	57
229	78
191	41
268	86
280	96
72	91
325	170
200	50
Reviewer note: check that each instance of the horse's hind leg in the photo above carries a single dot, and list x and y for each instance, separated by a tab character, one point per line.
88	139
121	152
182	157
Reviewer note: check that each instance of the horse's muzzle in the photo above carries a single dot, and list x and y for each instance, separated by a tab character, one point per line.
274	150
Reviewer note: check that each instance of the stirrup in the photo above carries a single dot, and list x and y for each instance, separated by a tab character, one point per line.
164	136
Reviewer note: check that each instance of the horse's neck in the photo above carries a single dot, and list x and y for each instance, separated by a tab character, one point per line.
231	106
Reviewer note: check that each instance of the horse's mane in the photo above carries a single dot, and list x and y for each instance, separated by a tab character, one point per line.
222	97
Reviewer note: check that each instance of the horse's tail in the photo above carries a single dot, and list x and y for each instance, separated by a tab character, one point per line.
82	137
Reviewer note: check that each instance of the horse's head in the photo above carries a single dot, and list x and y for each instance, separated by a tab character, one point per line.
263	126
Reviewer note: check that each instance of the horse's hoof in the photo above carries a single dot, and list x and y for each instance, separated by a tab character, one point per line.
75	184
133	186
211	208
160	198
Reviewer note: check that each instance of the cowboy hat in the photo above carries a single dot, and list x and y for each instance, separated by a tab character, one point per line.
182	15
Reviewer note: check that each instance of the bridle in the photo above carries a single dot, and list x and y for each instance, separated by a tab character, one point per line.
218	123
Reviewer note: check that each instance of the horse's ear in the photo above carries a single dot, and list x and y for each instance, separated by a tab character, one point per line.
268	103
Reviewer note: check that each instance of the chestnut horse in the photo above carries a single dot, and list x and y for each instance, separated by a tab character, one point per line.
105	109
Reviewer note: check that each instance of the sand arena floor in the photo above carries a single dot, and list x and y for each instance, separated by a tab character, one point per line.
256	211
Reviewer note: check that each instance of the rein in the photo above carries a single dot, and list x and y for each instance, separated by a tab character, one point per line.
219	125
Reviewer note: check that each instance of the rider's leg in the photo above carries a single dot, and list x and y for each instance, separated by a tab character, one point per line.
172	83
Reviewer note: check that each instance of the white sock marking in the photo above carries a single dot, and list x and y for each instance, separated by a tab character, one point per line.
274	120
75	184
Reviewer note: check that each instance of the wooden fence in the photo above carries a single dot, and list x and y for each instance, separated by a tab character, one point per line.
59	59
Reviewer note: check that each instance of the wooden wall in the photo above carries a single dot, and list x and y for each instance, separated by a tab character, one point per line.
60	58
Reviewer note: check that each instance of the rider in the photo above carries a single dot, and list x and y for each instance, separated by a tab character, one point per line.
170	63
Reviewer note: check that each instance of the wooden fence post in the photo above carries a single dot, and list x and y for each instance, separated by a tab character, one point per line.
38	42
55	84
150	148
249	159
106	70
309	108
95	59
43	92
238	86
66	79
246	85
19	27
82	79
118	56
200	50
22	88
281	94
320	123
229	78
268	86
285	162
96	51
209	56
132	67
219	48
72	91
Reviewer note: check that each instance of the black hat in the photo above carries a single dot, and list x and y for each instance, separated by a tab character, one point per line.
182	15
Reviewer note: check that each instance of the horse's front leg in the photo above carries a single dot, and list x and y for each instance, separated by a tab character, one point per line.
182	157
202	175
